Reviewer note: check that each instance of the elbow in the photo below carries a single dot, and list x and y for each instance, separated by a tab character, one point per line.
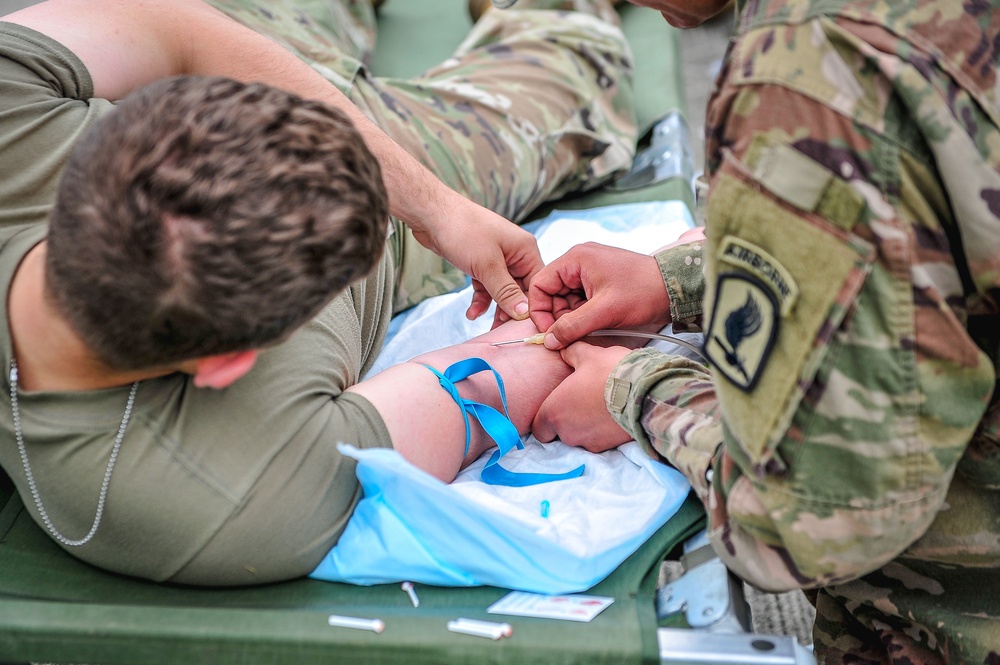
806	544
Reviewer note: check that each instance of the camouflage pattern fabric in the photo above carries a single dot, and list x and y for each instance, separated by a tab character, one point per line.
531	106
846	439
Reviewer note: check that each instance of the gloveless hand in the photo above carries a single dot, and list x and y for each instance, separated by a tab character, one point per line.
594	286
499	256
575	411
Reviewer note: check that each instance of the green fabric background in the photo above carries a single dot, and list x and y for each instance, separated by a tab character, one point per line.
57	609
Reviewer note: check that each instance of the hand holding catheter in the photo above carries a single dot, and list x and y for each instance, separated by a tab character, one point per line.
539	338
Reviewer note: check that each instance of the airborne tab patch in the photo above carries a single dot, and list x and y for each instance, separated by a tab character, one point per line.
753	259
743	328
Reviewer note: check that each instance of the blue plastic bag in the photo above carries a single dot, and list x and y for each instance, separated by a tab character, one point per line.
410	526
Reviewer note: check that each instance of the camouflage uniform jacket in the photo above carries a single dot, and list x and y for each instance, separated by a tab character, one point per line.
847	437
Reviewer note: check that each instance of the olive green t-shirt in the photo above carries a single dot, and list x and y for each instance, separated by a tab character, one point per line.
235	486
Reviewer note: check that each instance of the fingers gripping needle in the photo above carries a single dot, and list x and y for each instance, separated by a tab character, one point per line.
537	338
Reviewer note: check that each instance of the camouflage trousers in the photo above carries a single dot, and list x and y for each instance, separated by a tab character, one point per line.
535	103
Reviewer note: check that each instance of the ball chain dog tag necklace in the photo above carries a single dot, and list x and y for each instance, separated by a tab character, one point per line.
15	411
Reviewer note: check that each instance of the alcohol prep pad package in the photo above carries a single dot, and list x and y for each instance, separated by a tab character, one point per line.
553	538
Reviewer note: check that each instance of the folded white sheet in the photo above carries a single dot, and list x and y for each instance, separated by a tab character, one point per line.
409	526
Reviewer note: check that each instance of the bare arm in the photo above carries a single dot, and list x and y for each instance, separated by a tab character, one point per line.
424	422
126	44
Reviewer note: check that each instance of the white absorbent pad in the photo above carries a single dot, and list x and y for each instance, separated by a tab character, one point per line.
410	526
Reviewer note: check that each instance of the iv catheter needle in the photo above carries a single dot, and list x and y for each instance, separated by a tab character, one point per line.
539	338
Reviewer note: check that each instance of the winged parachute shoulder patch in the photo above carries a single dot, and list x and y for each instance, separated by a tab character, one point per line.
742	329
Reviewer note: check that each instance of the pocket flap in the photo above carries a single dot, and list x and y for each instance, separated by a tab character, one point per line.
781	281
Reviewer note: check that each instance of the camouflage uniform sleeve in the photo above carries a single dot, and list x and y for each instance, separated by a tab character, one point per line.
845	387
667	403
682	268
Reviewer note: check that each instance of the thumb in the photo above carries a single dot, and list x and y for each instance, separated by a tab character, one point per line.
575	354
572	326
507	294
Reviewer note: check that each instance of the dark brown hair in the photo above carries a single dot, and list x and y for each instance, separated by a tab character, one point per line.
204	216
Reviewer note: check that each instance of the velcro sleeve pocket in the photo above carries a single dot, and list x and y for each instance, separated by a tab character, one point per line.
783	269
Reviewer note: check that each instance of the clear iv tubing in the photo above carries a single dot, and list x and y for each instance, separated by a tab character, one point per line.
539	338
649	335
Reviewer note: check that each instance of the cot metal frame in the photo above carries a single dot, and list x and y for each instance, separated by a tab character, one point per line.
709	601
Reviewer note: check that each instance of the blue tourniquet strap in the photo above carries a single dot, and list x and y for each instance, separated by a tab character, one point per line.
497	425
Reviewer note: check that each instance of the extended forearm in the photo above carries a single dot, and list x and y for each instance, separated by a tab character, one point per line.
425	423
126	45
